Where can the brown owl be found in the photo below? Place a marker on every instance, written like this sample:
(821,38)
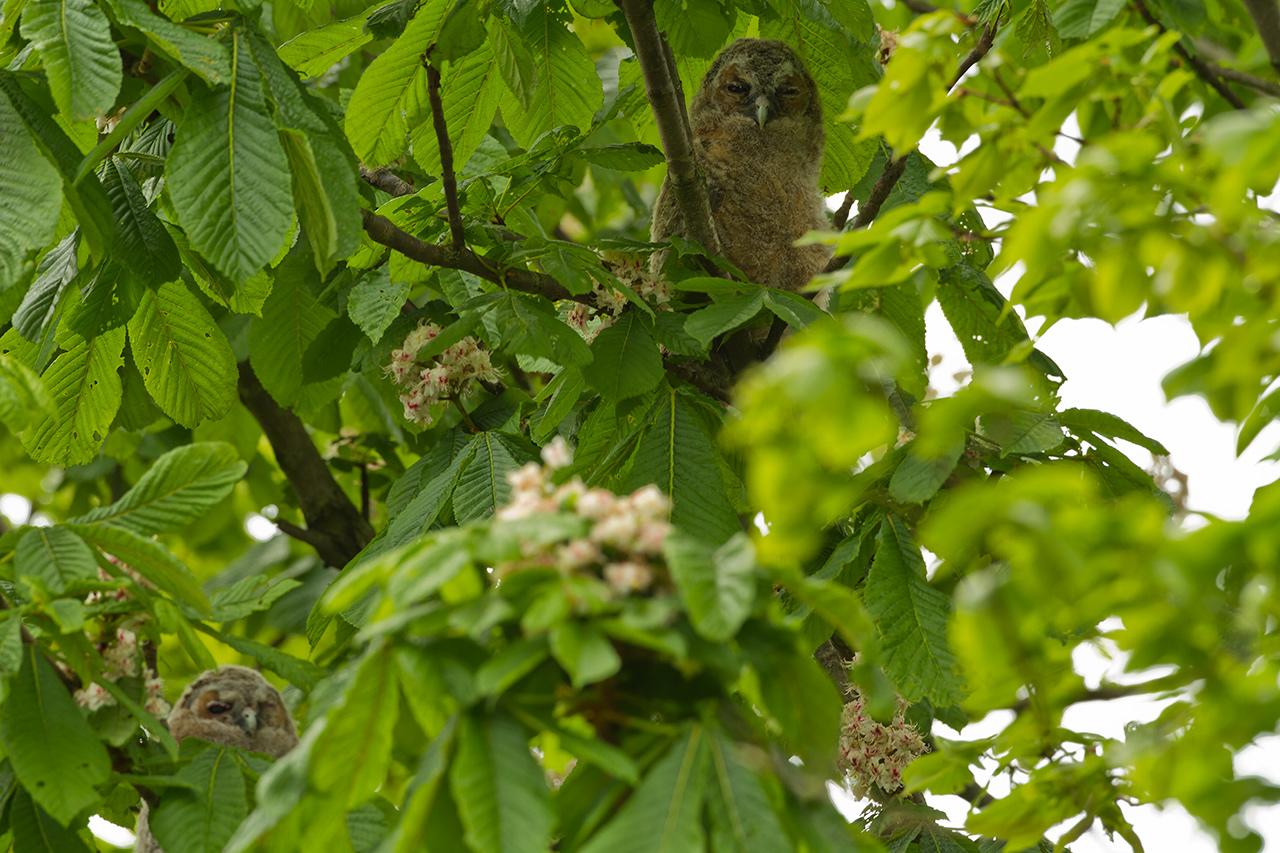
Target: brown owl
(757,139)
(230,706)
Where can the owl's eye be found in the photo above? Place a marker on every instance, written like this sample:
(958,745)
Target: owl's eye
(217,707)
(737,87)
(788,91)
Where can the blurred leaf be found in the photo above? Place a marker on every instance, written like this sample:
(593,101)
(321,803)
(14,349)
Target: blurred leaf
(57,757)
(35,832)
(717,585)
(584,652)
(625,360)
(149,559)
(202,818)
(499,788)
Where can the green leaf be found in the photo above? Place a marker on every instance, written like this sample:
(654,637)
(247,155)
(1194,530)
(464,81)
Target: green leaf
(916,479)
(203,817)
(912,616)
(482,486)
(80,59)
(625,360)
(30,195)
(145,246)
(179,487)
(227,175)
(56,557)
(206,57)
(742,816)
(564,89)
(528,325)
(35,832)
(694,27)
(40,305)
(1111,426)
(149,559)
(316,51)
(22,395)
(470,89)
(85,195)
(1083,18)
(54,752)
(677,452)
(292,318)
(10,650)
(350,762)
(302,673)
(623,156)
(584,652)
(663,814)
(1023,432)
(792,308)
(499,788)
(186,362)
(323,167)
(375,301)
(727,312)
(85,387)
(392,91)
(717,585)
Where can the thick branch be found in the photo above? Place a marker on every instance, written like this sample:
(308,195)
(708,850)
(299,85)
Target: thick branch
(1197,64)
(446,159)
(682,172)
(387,181)
(1266,17)
(335,527)
(1267,87)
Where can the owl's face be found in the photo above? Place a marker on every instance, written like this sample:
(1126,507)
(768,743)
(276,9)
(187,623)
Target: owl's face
(763,83)
(234,706)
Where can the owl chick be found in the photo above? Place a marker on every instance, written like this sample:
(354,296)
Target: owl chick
(757,138)
(230,706)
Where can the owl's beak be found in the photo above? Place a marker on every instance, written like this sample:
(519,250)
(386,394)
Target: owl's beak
(248,721)
(762,111)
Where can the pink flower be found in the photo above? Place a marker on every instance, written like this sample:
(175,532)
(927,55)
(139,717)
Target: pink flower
(557,453)
(596,503)
(93,697)
(630,576)
(577,554)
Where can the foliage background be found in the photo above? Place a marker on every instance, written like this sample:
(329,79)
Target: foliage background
(200,306)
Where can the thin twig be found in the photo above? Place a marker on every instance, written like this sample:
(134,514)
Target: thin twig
(387,181)
(1244,78)
(868,211)
(664,97)
(1197,64)
(1266,17)
(974,56)
(446,158)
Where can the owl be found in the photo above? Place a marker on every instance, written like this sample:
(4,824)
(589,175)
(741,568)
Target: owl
(757,138)
(230,706)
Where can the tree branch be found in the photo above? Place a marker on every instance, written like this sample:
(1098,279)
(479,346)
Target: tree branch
(682,172)
(384,231)
(1197,64)
(387,181)
(335,527)
(1266,17)
(446,159)
(1267,87)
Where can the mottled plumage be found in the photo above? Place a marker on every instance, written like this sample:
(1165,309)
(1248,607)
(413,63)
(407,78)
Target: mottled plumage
(757,137)
(230,706)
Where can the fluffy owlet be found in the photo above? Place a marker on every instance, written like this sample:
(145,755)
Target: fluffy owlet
(230,706)
(757,138)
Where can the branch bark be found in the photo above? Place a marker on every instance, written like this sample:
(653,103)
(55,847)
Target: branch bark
(1266,17)
(446,159)
(335,527)
(668,111)
(387,181)
(1201,68)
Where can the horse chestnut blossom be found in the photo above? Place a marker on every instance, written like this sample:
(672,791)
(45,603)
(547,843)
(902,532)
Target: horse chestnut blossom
(623,544)
(609,302)
(122,657)
(874,754)
(442,378)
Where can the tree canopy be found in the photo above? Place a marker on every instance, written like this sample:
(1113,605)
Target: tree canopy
(574,553)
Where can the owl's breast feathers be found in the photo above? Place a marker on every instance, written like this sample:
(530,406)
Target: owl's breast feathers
(765,195)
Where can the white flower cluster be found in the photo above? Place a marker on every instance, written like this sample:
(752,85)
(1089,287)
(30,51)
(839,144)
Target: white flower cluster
(590,322)
(873,754)
(121,593)
(624,542)
(123,658)
(446,376)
